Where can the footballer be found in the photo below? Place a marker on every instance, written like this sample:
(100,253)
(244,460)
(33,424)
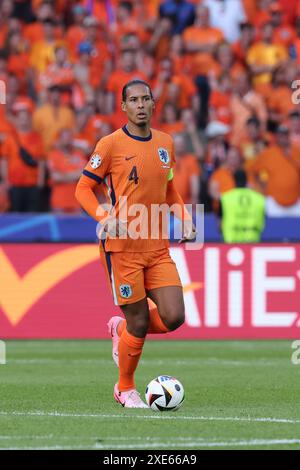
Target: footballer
(135,164)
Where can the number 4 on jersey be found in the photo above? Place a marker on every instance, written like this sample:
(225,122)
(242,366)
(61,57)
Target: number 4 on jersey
(133,175)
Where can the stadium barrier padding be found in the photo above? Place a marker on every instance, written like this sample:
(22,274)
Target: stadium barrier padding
(76,229)
(230,291)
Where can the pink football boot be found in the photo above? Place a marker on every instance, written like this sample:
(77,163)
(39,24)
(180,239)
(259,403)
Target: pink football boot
(129,399)
(112,330)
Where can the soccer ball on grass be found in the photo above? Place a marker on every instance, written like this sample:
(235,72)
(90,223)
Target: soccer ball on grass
(165,393)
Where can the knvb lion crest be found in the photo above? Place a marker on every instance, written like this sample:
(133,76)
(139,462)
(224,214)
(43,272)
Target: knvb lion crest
(125,291)
(163,155)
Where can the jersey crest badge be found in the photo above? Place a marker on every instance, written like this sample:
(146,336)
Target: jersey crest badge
(96,161)
(164,155)
(125,291)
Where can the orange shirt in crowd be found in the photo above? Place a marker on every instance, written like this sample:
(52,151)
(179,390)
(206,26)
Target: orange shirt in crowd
(54,75)
(251,9)
(250,149)
(181,64)
(224,178)
(99,9)
(202,62)
(63,194)
(74,35)
(94,123)
(100,54)
(48,121)
(20,173)
(6,127)
(297,50)
(280,174)
(284,35)
(219,104)
(202,36)
(34,32)
(132,27)
(185,167)
(187,90)
(83,142)
(43,53)
(152,7)
(221,180)
(265,54)
(279,100)
(18,64)
(3,35)
(101,12)
(172,128)
(261,18)
(240,53)
(242,110)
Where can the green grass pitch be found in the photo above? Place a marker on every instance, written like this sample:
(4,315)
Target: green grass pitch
(239,395)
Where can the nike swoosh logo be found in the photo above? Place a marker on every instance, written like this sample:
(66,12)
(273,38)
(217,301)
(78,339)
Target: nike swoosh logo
(19,293)
(192,286)
(129,158)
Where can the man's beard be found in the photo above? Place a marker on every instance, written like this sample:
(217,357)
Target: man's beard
(141,124)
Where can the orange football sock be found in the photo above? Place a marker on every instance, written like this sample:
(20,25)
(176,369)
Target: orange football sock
(121,326)
(130,350)
(156,324)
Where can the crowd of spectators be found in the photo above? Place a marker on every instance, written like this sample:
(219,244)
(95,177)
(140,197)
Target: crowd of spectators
(223,74)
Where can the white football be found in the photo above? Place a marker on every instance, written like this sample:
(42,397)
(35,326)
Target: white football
(165,393)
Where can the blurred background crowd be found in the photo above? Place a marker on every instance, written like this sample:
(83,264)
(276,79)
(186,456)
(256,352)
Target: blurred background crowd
(223,74)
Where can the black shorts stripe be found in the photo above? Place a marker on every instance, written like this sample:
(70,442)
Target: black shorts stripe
(107,259)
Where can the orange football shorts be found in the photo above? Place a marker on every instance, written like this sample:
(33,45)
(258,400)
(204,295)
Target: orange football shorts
(130,275)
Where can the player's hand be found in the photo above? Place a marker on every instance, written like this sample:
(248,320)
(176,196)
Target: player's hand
(189,233)
(115,227)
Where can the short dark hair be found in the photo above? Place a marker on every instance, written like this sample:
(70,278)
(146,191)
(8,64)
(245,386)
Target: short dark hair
(127,5)
(246,25)
(132,83)
(282,129)
(54,88)
(49,21)
(294,113)
(253,120)
(240,178)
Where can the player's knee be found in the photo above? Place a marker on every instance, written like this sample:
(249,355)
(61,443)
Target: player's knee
(175,319)
(138,326)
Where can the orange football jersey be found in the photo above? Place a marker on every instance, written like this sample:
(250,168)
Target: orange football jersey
(139,169)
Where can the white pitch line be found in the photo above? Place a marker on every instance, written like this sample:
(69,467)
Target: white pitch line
(151,416)
(188,362)
(168,445)
(97,438)
(110,438)
(199,443)
(195,443)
